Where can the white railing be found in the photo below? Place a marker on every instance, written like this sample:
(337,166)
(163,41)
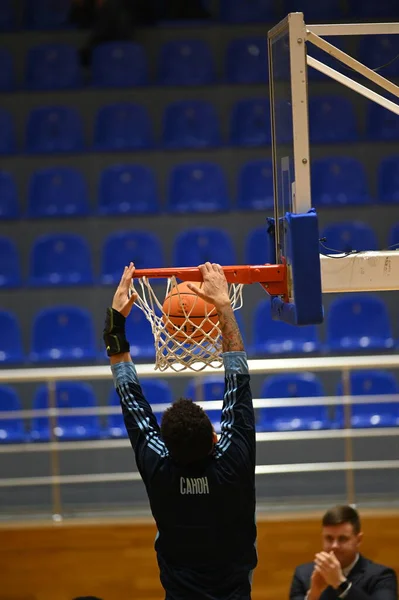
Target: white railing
(344,364)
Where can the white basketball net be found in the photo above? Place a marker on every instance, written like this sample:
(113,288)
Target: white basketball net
(174,353)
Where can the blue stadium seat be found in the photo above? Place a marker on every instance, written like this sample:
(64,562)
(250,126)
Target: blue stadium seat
(255,186)
(293,418)
(52,67)
(276,337)
(199,245)
(358,322)
(339,181)
(348,236)
(370,383)
(69,395)
(387,9)
(283,122)
(207,388)
(155,392)
(54,129)
(319,11)
(141,247)
(250,123)
(123,126)
(47,14)
(246,60)
(57,192)
(242,11)
(62,333)
(382,124)
(139,334)
(12,431)
(197,187)
(8,197)
(380,50)
(190,124)
(7,15)
(128,189)
(185,62)
(10,339)
(394,237)
(60,260)
(332,119)
(10,271)
(315,52)
(7,82)
(258,250)
(119,65)
(7,133)
(388,180)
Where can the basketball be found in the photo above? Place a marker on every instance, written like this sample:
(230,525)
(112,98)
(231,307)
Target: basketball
(187,317)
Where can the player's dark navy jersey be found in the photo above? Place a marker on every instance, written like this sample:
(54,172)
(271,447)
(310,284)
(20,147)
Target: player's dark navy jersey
(205,512)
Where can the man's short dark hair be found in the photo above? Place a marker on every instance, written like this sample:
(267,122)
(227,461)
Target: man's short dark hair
(187,432)
(340,514)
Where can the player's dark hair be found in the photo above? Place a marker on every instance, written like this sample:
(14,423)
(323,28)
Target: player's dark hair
(343,513)
(187,432)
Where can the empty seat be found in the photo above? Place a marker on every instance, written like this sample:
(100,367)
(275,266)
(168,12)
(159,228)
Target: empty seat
(293,418)
(250,123)
(47,14)
(69,395)
(246,60)
(12,431)
(141,247)
(10,339)
(388,180)
(52,67)
(371,9)
(54,129)
(128,189)
(139,334)
(119,64)
(62,333)
(370,383)
(380,50)
(255,186)
(199,245)
(8,197)
(122,126)
(7,15)
(358,322)
(339,181)
(7,82)
(60,260)
(10,271)
(197,187)
(57,192)
(185,62)
(207,388)
(242,11)
(276,337)
(190,124)
(155,392)
(7,133)
(283,126)
(259,247)
(393,242)
(382,124)
(331,119)
(347,237)
(319,11)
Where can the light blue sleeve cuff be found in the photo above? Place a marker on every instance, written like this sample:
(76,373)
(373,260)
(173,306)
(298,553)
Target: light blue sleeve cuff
(124,372)
(235,362)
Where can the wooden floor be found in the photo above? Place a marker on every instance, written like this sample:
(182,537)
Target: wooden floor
(116,561)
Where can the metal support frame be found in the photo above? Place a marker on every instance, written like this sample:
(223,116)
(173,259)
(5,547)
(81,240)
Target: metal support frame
(355,29)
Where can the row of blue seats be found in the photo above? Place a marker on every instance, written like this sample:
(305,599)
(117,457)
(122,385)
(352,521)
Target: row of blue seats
(71,395)
(187,62)
(64,333)
(64,260)
(191,124)
(196,187)
(50,15)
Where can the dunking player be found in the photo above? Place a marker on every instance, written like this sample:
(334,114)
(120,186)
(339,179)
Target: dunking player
(201,489)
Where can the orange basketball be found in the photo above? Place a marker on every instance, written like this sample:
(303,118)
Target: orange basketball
(187,317)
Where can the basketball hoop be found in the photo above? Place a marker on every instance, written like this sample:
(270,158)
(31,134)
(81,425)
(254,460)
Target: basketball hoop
(177,350)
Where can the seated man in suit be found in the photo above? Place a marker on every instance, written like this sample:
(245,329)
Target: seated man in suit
(339,571)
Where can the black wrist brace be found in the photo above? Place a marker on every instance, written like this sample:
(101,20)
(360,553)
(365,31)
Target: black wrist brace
(114,335)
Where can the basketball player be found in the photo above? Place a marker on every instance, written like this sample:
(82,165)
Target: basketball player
(201,489)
